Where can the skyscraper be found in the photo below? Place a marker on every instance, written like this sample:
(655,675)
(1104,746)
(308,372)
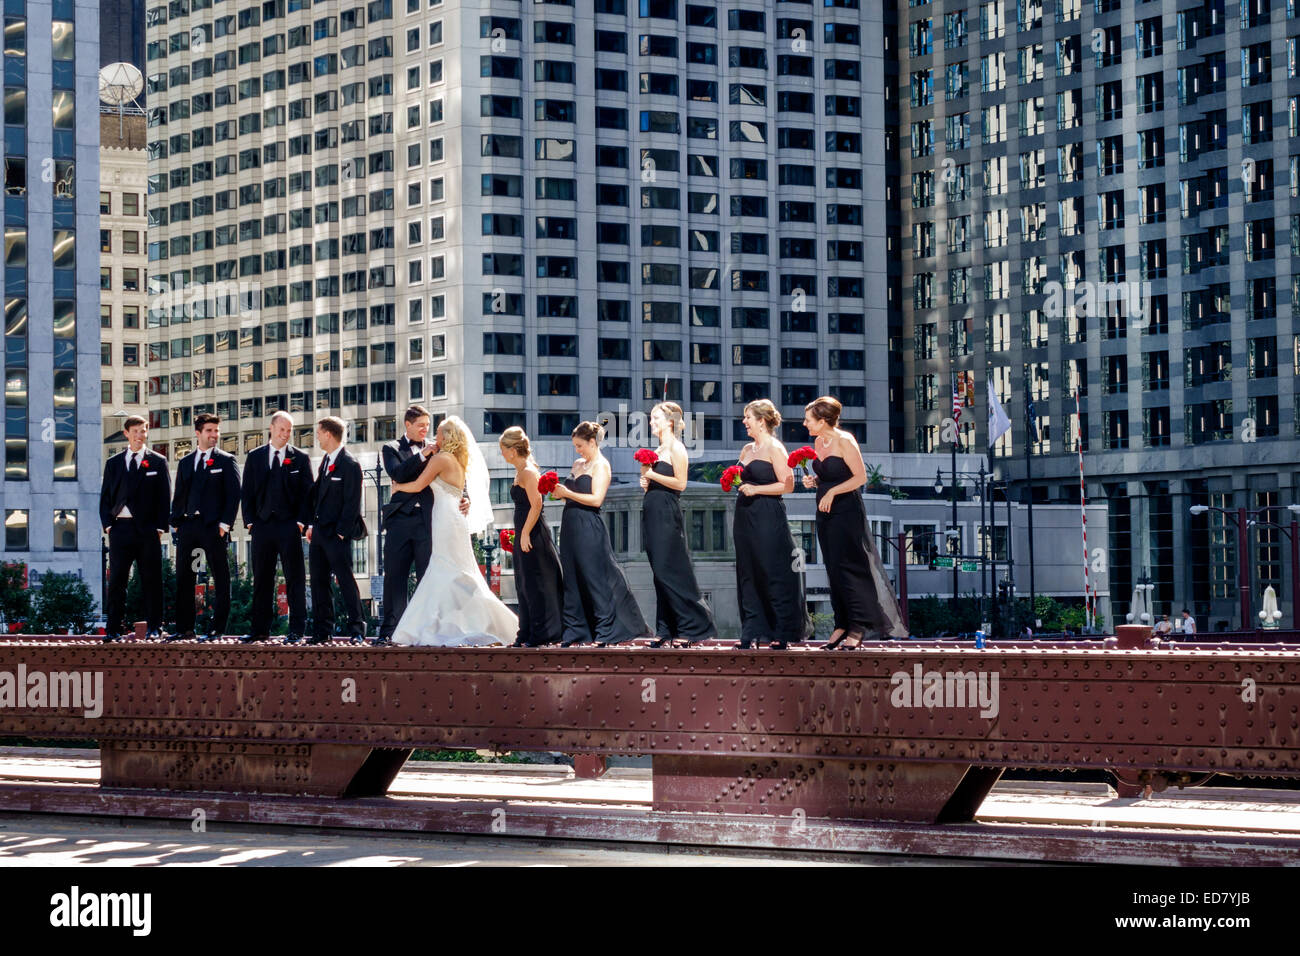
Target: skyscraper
(50,486)
(1091,195)
(522,214)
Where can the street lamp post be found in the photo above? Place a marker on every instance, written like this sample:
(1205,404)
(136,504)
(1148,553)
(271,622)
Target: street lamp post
(983,485)
(376,475)
(1244,519)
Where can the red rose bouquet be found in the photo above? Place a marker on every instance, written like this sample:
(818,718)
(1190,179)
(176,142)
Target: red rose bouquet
(547,481)
(730,476)
(800,455)
(646,457)
(507,539)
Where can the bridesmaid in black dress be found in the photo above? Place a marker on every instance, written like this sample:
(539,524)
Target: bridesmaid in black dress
(680,612)
(538,580)
(597,601)
(861,596)
(770,589)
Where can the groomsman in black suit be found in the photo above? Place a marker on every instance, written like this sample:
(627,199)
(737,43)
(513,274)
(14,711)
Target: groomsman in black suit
(335,519)
(276,501)
(203,512)
(133,510)
(407,531)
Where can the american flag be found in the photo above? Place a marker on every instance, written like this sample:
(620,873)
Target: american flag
(963,393)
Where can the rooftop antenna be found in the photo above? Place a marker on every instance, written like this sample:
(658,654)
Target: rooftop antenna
(119,84)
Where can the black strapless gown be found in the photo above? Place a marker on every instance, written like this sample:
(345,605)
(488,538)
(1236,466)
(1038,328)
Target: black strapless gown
(597,601)
(538,579)
(679,610)
(861,595)
(769,589)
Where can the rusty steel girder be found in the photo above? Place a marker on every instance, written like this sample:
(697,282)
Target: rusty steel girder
(834,735)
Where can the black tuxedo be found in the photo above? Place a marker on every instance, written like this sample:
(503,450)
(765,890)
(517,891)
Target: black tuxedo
(407,531)
(205,499)
(145,494)
(274,502)
(336,511)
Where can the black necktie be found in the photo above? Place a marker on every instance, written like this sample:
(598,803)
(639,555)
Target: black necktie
(324,461)
(133,466)
(276,464)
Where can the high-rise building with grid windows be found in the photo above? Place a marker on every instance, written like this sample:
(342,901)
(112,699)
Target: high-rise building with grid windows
(1094,198)
(49,491)
(521,213)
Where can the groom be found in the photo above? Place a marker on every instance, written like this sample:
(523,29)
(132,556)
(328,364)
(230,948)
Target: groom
(407,518)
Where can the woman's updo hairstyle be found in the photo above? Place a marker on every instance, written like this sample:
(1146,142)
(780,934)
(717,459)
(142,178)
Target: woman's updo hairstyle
(589,431)
(766,413)
(825,409)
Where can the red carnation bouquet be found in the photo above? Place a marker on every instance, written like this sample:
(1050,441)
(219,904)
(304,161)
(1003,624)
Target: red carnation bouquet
(507,540)
(646,457)
(730,476)
(547,481)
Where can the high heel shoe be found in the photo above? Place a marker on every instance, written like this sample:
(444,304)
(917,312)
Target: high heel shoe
(577,641)
(778,646)
(835,641)
(858,634)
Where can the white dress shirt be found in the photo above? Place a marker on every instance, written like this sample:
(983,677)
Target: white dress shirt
(138,458)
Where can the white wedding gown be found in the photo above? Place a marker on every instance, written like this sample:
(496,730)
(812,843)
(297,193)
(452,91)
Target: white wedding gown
(453,605)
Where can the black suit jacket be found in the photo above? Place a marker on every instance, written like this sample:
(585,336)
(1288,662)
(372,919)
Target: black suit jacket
(147,494)
(215,492)
(296,477)
(336,498)
(404,463)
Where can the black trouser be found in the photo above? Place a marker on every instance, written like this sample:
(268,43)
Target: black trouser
(131,541)
(278,538)
(407,543)
(193,539)
(330,553)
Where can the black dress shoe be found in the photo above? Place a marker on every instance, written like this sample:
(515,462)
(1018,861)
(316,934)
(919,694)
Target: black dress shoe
(382,642)
(209,637)
(357,639)
(187,636)
(154,635)
(110,638)
(319,639)
(253,638)
(292,638)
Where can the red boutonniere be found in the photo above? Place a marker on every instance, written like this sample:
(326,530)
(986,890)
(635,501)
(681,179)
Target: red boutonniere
(207,462)
(287,461)
(329,470)
(729,477)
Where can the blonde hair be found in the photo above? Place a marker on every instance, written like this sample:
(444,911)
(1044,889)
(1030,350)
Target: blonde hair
(454,442)
(673,412)
(765,412)
(516,439)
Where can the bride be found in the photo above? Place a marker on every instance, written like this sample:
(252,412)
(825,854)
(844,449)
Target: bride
(453,606)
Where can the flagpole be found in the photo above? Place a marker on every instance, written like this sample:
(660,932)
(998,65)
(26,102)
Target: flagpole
(1088,609)
(1029,494)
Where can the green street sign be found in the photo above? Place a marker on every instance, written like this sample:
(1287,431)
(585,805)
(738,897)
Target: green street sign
(943,562)
(970,565)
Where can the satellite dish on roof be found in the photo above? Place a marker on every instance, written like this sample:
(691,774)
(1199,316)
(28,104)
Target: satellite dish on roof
(120,83)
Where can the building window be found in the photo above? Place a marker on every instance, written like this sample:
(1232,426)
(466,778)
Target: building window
(65,530)
(16,530)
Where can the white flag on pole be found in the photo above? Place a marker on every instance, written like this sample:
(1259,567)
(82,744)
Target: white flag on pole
(998,421)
